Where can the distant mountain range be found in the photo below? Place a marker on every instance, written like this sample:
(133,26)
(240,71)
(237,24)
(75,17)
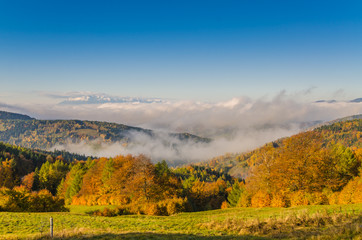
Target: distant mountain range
(103,98)
(326,101)
(357,100)
(28,132)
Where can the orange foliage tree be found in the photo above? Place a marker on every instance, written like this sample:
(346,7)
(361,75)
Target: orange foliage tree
(300,169)
(124,180)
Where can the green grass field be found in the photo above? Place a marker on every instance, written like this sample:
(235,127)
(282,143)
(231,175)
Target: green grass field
(314,222)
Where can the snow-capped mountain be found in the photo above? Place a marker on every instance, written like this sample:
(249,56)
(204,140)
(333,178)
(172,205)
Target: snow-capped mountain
(100,99)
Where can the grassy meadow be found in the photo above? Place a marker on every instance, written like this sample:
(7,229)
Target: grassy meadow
(304,222)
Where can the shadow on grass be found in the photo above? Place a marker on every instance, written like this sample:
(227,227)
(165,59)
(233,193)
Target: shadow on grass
(129,236)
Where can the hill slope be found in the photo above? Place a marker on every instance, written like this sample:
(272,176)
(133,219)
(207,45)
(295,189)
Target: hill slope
(16,162)
(346,131)
(44,134)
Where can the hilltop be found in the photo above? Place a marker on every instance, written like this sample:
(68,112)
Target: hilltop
(353,117)
(14,116)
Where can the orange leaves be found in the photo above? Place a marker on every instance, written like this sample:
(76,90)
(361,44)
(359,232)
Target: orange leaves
(352,192)
(28,181)
(122,180)
(262,174)
(208,195)
(300,164)
(279,199)
(261,199)
(7,176)
(300,169)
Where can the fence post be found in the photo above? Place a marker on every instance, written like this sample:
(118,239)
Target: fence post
(51,227)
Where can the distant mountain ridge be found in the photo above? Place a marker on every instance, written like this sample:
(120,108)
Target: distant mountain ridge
(14,116)
(357,100)
(28,132)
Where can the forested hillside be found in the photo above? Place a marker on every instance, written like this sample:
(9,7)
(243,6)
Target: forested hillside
(346,131)
(29,178)
(16,162)
(314,167)
(45,134)
(13,116)
(322,166)
(131,182)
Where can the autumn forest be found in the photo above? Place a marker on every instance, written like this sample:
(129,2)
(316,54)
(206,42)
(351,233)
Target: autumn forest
(315,167)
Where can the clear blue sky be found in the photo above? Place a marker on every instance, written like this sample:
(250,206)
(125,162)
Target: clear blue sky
(206,50)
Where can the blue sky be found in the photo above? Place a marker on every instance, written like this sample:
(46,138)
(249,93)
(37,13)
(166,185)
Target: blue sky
(199,50)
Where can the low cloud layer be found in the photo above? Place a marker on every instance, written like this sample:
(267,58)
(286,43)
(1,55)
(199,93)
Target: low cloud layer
(237,125)
(173,150)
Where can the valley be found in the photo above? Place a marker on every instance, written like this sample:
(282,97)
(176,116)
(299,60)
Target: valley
(231,196)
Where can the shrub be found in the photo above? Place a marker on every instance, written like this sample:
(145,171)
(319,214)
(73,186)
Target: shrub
(333,198)
(352,192)
(20,199)
(298,198)
(176,205)
(154,209)
(44,201)
(122,210)
(224,205)
(317,198)
(107,212)
(280,200)
(163,208)
(260,199)
(14,200)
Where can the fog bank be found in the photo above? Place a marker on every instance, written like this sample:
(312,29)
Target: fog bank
(237,125)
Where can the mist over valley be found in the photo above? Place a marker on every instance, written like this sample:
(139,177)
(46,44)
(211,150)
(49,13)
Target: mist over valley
(176,131)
